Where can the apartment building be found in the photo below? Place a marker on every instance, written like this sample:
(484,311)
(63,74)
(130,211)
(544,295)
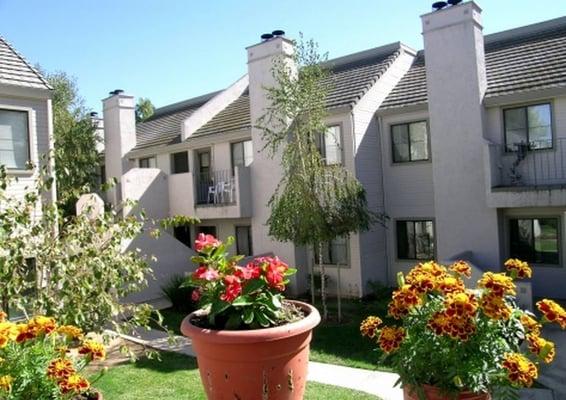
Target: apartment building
(459,144)
(26,128)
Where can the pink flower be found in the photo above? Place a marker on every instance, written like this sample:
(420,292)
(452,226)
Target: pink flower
(204,242)
(250,271)
(195,295)
(205,273)
(274,271)
(233,288)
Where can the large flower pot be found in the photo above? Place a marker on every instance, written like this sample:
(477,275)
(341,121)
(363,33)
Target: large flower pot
(260,364)
(433,393)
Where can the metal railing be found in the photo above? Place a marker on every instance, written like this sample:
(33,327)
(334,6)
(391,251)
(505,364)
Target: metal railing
(530,164)
(215,188)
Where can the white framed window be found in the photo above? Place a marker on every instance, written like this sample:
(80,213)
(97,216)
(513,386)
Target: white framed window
(148,162)
(536,240)
(334,252)
(415,239)
(15,148)
(329,144)
(409,142)
(242,154)
(530,125)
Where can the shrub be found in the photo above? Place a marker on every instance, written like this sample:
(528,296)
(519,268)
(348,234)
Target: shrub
(179,294)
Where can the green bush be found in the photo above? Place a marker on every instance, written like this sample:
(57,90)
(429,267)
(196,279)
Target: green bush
(180,297)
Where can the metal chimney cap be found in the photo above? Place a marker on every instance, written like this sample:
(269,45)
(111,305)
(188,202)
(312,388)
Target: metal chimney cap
(266,36)
(439,5)
(93,114)
(278,32)
(115,92)
(454,2)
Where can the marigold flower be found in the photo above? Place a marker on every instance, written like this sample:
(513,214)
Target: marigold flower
(6,383)
(206,242)
(233,288)
(3,316)
(495,307)
(553,312)
(94,349)
(370,326)
(461,328)
(450,284)
(70,331)
(38,325)
(498,283)
(543,348)
(424,276)
(390,338)
(60,368)
(74,384)
(530,324)
(8,332)
(403,300)
(25,332)
(520,370)
(520,268)
(438,323)
(461,305)
(462,268)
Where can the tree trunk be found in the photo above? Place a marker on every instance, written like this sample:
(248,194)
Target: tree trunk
(339,293)
(322,284)
(312,279)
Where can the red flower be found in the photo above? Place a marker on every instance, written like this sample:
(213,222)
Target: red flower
(233,288)
(205,273)
(195,295)
(274,271)
(205,242)
(250,271)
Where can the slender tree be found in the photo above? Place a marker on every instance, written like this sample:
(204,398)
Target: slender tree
(314,203)
(144,109)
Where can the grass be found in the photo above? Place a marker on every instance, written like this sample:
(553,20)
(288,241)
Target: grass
(176,377)
(333,343)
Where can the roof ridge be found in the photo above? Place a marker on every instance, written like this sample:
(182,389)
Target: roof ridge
(177,106)
(525,31)
(23,59)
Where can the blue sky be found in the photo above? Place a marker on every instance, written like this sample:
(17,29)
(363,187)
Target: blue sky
(171,50)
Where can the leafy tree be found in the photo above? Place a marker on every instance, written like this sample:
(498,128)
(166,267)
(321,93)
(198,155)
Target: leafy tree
(76,156)
(144,109)
(314,203)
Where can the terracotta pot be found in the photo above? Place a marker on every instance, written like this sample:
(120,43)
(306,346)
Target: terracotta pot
(254,364)
(433,393)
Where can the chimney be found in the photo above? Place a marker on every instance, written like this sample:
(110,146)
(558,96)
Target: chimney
(456,85)
(119,136)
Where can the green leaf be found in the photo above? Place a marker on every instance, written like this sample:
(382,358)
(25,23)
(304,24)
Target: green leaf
(242,301)
(261,318)
(291,271)
(253,285)
(234,321)
(218,306)
(248,316)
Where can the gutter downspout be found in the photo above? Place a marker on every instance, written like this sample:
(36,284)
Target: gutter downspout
(387,264)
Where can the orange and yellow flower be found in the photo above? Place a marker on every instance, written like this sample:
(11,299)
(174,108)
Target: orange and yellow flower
(450,284)
(6,383)
(8,332)
(390,338)
(543,348)
(3,316)
(74,384)
(495,306)
(520,370)
(60,368)
(403,300)
(461,305)
(498,283)
(370,326)
(94,349)
(70,331)
(520,269)
(461,268)
(553,312)
(530,324)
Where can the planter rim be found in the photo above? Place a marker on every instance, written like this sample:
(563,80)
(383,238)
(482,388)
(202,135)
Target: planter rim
(433,388)
(253,335)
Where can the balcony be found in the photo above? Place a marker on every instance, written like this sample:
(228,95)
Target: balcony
(214,195)
(527,175)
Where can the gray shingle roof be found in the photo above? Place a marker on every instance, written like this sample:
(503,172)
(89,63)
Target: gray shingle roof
(522,59)
(15,70)
(351,77)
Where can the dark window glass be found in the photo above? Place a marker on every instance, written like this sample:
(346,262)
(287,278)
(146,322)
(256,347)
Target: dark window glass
(415,240)
(535,240)
(204,162)
(183,234)
(530,125)
(207,230)
(242,154)
(244,240)
(14,139)
(334,253)
(330,145)
(410,142)
(148,162)
(180,162)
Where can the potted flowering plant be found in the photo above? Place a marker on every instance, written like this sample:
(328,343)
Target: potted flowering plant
(244,317)
(454,342)
(43,361)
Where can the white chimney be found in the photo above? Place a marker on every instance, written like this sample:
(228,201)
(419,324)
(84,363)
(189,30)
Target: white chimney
(119,137)
(456,84)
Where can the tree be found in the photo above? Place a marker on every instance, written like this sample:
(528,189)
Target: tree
(314,203)
(77,159)
(144,109)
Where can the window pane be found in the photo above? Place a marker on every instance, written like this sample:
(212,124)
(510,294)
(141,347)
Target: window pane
(339,251)
(400,139)
(419,141)
(248,153)
(148,162)
(515,127)
(333,146)
(406,240)
(207,230)
(183,235)
(424,240)
(540,138)
(14,139)
(539,116)
(237,154)
(243,240)
(326,254)
(545,232)
(180,162)
(521,239)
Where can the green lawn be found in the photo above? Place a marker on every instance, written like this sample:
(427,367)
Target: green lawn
(333,343)
(176,377)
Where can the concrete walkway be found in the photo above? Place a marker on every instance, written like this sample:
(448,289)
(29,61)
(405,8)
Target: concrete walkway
(376,383)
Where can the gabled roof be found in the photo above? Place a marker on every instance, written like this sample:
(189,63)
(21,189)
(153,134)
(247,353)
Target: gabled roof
(523,59)
(352,76)
(15,70)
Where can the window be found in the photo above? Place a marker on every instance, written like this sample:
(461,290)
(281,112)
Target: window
(183,234)
(244,240)
(334,253)
(531,125)
(14,139)
(242,154)
(330,145)
(415,240)
(148,162)
(207,230)
(410,142)
(180,162)
(535,240)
